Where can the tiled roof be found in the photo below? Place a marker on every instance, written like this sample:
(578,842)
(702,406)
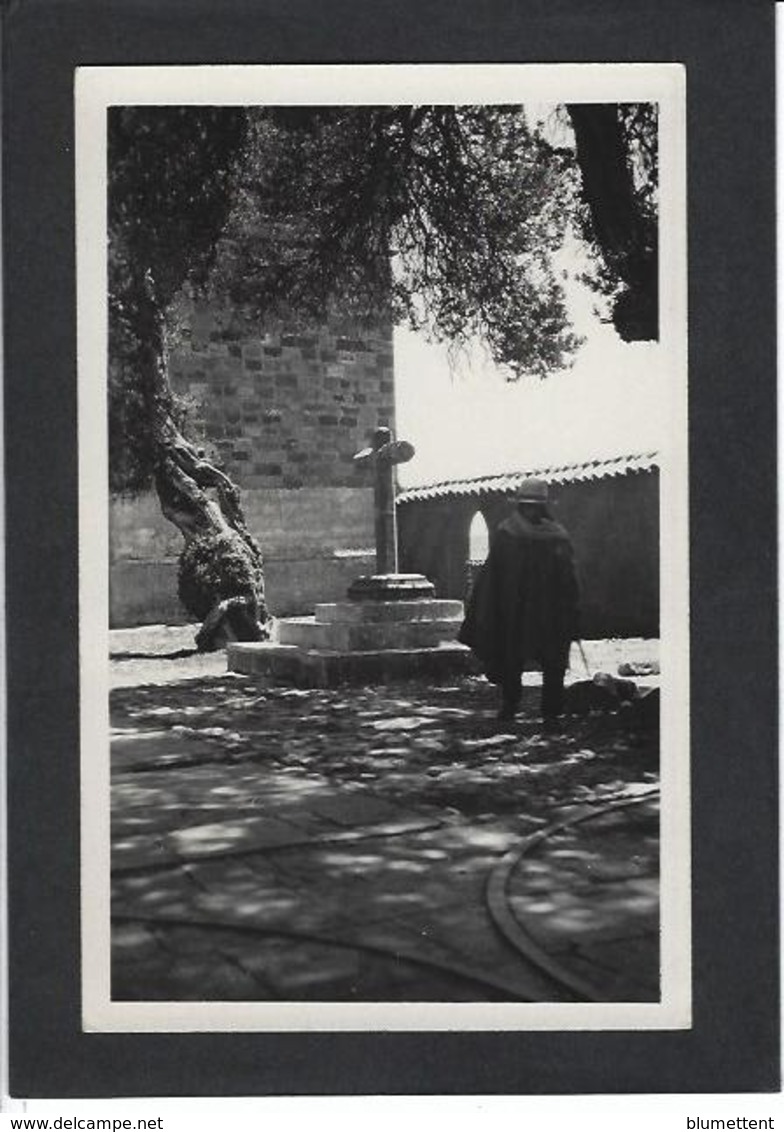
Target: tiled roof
(502,484)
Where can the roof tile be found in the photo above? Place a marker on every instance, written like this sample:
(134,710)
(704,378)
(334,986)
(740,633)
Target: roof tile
(502,484)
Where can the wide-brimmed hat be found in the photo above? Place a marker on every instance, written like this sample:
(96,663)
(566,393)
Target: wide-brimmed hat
(531,491)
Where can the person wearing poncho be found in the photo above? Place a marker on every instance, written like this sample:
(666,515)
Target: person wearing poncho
(523,610)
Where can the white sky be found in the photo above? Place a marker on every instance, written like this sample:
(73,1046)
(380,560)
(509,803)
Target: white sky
(468,421)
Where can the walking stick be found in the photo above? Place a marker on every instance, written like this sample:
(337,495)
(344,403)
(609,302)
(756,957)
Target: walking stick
(582,654)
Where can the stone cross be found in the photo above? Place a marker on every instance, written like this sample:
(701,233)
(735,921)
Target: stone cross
(383,454)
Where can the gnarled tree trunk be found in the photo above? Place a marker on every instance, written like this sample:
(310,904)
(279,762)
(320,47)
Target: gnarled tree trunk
(221,569)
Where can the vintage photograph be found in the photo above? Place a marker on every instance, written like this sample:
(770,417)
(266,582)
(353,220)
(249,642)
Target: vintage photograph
(384,528)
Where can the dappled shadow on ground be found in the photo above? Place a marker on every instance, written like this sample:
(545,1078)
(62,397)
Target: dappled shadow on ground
(439,745)
(205,963)
(273,843)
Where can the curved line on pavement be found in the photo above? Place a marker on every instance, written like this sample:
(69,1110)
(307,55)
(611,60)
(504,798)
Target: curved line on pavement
(454,969)
(332,837)
(497,898)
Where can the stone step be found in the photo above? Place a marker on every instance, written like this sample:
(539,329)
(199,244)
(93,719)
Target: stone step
(336,636)
(354,612)
(319,668)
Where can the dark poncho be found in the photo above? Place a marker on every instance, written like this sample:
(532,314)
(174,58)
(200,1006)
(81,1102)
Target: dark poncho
(523,610)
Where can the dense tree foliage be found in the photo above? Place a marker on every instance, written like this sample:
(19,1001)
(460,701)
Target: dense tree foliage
(444,217)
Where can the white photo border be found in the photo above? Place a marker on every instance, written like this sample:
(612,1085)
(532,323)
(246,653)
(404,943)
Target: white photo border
(98,88)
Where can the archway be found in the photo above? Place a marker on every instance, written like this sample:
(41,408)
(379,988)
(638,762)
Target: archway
(478,539)
(478,545)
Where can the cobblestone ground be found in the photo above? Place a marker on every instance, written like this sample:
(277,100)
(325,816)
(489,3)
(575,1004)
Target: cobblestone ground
(387,844)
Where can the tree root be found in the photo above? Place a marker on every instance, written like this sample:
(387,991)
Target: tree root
(233,619)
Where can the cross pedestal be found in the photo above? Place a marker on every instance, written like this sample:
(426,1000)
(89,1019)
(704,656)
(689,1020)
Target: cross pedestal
(392,626)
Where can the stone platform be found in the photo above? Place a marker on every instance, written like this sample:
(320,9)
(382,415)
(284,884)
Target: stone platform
(361,642)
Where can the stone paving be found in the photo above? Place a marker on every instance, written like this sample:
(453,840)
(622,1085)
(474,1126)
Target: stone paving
(388,844)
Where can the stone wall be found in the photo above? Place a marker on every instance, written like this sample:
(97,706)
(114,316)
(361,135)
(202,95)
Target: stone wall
(315,542)
(614,525)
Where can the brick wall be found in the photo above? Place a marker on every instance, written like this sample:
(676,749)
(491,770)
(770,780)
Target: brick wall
(283,407)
